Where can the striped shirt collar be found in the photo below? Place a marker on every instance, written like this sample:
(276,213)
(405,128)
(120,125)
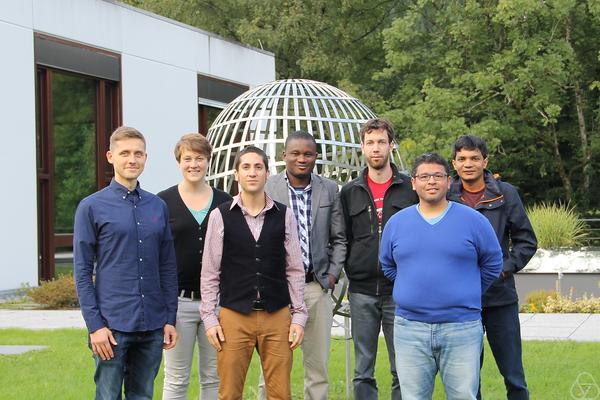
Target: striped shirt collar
(305,190)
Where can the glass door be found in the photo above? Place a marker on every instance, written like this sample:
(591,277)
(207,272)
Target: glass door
(76,114)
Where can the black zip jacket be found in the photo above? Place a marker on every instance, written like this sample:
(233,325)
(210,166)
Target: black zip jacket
(502,206)
(356,218)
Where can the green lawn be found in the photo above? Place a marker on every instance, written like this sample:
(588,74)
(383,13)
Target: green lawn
(65,369)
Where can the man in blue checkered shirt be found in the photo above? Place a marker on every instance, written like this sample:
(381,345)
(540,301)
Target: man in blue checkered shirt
(311,197)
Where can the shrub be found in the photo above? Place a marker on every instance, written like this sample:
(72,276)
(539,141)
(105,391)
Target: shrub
(57,293)
(547,301)
(556,225)
(566,304)
(536,300)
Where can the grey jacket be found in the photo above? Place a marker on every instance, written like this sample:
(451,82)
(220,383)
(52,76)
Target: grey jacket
(326,250)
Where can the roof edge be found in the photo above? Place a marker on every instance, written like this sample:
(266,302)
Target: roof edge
(193,28)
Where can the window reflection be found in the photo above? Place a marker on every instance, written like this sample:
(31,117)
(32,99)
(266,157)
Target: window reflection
(74,128)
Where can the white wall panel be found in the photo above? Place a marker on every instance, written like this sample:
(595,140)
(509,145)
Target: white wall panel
(160,40)
(93,22)
(18,236)
(16,12)
(160,101)
(240,64)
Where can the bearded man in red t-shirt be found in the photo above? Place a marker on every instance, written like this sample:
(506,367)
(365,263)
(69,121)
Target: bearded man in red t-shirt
(362,209)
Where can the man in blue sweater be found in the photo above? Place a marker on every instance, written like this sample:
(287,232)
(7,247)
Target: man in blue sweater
(440,271)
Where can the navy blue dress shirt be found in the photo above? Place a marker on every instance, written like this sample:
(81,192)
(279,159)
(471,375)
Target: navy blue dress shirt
(125,235)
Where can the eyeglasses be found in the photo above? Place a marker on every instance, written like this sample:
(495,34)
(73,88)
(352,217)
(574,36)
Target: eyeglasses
(436,177)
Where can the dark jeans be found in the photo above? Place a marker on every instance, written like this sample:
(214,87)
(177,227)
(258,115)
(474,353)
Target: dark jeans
(369,314)
(503,332)
(134,366)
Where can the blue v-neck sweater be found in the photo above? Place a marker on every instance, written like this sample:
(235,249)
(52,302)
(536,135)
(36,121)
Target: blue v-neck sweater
(440,271)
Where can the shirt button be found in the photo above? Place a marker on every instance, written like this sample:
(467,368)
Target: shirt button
(141,277)
(138,223)
(123,197)
(142,296)
(140,241)
(140,259)
(257,259)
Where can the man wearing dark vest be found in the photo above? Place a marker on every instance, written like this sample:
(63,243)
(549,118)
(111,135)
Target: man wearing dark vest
(252,260)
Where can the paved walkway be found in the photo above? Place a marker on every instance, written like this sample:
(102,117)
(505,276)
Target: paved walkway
(579,327)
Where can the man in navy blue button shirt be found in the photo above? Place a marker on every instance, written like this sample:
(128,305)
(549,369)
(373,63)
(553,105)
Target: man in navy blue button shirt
(122,236)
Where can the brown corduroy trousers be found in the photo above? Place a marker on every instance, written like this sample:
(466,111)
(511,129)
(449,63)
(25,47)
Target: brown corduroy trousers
(268,333)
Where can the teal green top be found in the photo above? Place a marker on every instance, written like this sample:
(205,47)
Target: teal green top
(199,215)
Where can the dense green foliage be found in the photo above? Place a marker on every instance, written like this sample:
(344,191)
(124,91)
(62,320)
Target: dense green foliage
(521,73)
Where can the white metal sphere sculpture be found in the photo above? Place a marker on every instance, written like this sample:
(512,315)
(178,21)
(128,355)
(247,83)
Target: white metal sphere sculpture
(266,114)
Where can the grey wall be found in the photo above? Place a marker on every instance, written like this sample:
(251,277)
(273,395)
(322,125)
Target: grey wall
(581,283)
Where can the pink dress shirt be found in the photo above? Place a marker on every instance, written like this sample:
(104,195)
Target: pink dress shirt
(213,251)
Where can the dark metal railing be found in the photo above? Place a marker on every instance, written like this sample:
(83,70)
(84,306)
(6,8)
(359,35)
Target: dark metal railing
(592,232)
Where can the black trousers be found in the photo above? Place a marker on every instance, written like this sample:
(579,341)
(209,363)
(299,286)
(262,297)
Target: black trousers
(503,332)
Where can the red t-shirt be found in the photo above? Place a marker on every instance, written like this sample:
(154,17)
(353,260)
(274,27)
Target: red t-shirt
(378,191)
(472,198)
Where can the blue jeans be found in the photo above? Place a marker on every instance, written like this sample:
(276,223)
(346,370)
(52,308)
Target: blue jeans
(369,314)
(452,348)
(135,365)
(503,331)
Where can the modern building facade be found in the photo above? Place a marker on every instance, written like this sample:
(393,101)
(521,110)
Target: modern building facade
(73,70)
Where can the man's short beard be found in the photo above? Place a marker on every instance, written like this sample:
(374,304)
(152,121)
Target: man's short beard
(383,165)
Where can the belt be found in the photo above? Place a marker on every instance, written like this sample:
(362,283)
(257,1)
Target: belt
(190,294)
(258,305)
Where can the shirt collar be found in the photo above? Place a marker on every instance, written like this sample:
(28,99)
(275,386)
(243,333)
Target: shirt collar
(306,189)
(123,191)
(237,201)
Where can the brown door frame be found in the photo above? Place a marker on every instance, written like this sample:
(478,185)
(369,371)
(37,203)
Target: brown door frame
(45,176)
(108,94)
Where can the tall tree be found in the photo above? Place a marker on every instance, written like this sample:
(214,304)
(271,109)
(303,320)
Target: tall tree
(334,41)
(518,72)
(524,74)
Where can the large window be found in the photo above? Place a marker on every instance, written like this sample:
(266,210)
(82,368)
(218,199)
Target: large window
(213,95)
(78,106)
(207,115)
